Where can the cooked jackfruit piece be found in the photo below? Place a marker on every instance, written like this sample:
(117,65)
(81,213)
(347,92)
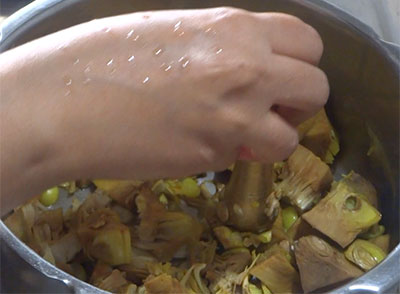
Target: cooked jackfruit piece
(251,288)
(360,185)
(321,265)
(192,280)
(65,248)
(185,187)
(15,222)
(124,214)
(305,126)
(228,238)
(277,273)
(307,178)
(372,232)
(278,232)
(163,284)
(255,240)
(121,191)
(138,268)
(54,219)
(342,215)
(203,252)
(100,272)
(320,137)
(382,242)
(156,269)
(299,229)
(227,266)
(245,195)
(70,187)
(112,244)
(364,254)
(164,232)
(113,282)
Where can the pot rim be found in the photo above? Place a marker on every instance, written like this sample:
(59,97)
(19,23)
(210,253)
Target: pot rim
(380,279)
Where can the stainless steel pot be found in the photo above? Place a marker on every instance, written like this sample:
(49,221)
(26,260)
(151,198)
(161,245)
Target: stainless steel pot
(364,77)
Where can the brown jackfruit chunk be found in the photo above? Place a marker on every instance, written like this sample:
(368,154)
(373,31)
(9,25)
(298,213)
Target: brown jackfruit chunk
(318,135)
(163,284)
(277,274)
(342,215)
(321,265)
(359,185)
(305,178)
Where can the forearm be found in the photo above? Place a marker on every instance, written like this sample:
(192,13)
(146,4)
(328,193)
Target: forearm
(41,83)
(29,152)
(60,97)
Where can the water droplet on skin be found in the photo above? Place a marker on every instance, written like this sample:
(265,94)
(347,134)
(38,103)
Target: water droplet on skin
(67,93)
(106,30)
(68,82)
(146,80)
(218,51)
(132,58)
(110,62)
(136,38)
(184,60)
(177,26)
(185,64)
(158,51)
(76,61)
(87,69)
(210,31)
(181,34)
(87,81)
(130,33)
(166,67)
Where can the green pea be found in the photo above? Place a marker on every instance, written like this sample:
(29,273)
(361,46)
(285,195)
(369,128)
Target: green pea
(163,199)
(49,196)
(289,216)
(265,237)
(189,188)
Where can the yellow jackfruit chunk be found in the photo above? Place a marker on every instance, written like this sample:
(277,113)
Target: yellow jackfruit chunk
(364,254)
(121,191)
(318,135)
(112,245)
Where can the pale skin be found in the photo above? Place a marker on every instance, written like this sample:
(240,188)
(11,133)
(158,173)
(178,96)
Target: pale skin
(155,94)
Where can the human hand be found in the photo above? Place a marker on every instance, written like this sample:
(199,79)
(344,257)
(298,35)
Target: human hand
(172,93)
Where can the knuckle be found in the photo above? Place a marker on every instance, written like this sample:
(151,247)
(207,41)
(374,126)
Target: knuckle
(236,120)
(236,76)
(287,19)
(246,72)
(311,35)
(231,14)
